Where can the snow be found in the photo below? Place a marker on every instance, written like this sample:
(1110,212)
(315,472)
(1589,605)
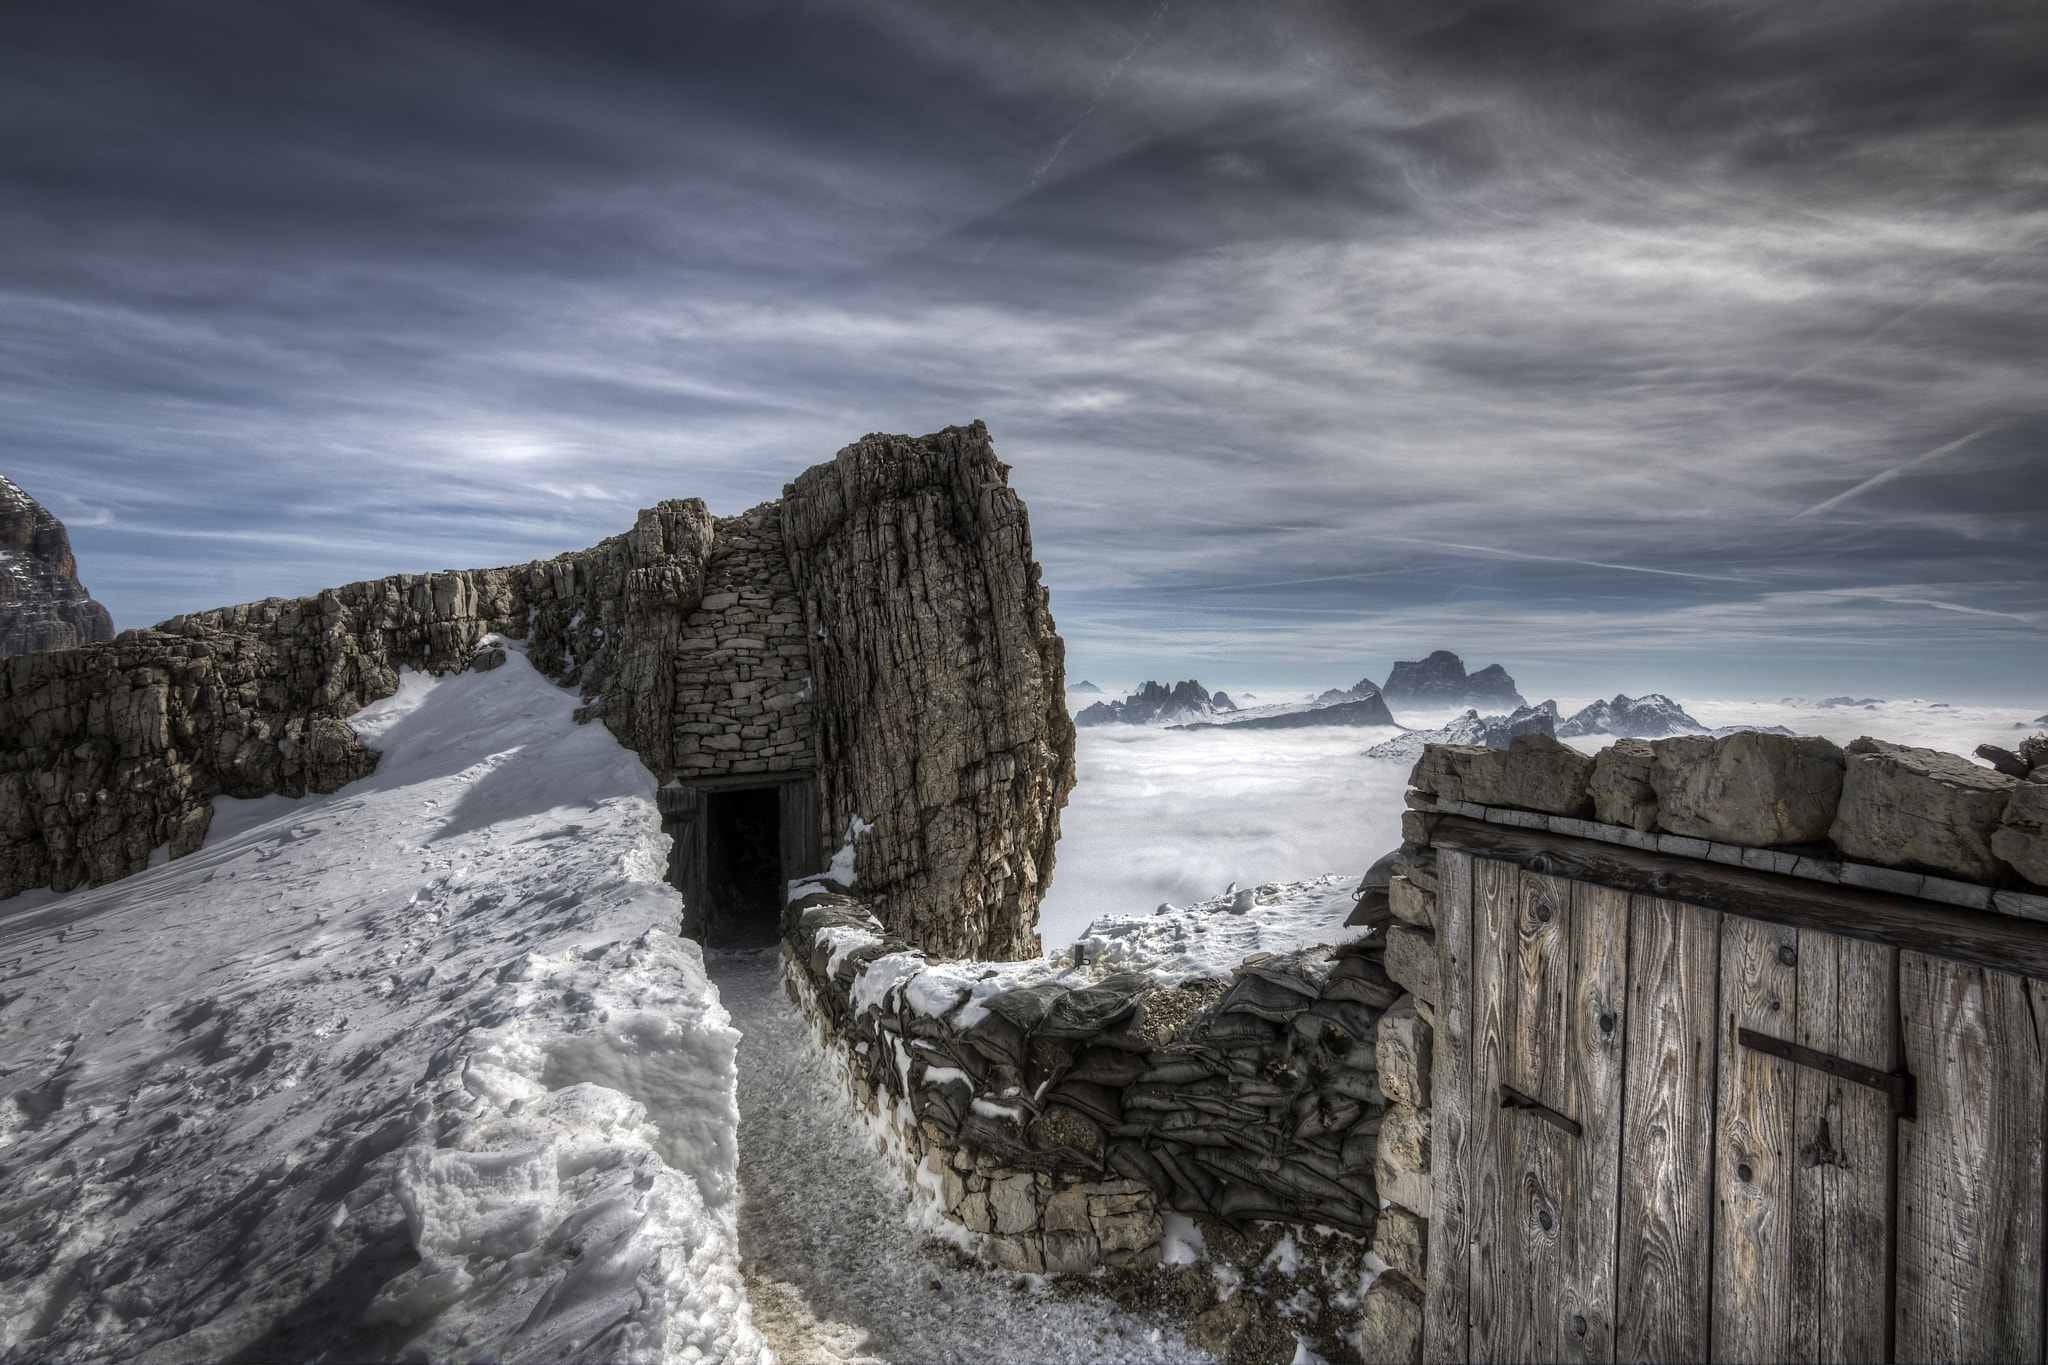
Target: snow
(415,1067)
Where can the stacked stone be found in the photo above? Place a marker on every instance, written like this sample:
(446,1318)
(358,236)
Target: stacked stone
(743,673)
(1254,1099)
(113,749)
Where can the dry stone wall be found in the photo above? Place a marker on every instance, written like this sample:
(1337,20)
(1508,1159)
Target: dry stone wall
(114,749)
(1055,1124)
(939,685)
(743,671)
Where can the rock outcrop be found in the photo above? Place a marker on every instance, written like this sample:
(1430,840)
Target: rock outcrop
(1535,772)
(938,685)
(1751,789)
(1157,702)
(43,606)
(1441,680)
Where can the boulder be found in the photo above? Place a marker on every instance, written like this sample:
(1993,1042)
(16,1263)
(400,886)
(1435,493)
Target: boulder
(1621,789)
(1752,789)
(1535,772)
(1907,807)
(2022,836)
(1410,904)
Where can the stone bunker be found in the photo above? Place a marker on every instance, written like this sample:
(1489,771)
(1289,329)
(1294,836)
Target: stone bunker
(871,652)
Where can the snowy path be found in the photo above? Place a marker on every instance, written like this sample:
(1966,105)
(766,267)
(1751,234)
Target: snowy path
(834,1271)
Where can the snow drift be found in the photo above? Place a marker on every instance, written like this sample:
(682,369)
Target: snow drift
(415,1068)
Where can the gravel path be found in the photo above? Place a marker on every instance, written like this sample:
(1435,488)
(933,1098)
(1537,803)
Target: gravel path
(834,1270)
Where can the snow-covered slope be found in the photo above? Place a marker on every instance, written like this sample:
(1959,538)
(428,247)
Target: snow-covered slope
(416,1069)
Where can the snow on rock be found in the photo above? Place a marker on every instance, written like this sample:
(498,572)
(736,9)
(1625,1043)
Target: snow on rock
(1472,728)
(413,1068)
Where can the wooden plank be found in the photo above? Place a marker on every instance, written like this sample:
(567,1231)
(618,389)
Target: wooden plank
(1534,1152)
(1595,1027)
(1842,1154)
(1753,1165)
(1450,1263)
(1969,1174)
(1978,937)
(1495,901)
(1664,1238)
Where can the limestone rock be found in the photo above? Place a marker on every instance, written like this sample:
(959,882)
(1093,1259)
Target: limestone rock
(1404,1052)
(1390,1329)
(1621,790)
(938,685)
(1401,1239)
(1411,960)
(2022,836)
(43,606)
(1751,789)
(1410,904)
(1535,772)
(1907,807)
(1402,1161)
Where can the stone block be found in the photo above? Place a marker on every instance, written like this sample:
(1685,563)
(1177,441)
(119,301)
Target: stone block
(1390,1324)
(1401,1239)
(1621,789)
(1015,1204)
(1401,1165)
(1067,1211)
(1404,1045)
(1129,1231)
(1906,807)
(1747,788)
(1025,1255)
(1411,960)
(2022,835)
(1071,1253)
(974,1212)
(1535,772)
(1410,904)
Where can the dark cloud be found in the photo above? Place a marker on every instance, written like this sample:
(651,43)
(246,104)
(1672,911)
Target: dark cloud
(1318,333)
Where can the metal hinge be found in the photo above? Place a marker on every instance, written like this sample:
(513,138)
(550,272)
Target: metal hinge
(1897,1084)
(1511,1098)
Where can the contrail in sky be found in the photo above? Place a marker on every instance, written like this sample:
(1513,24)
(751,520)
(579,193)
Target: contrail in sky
(1082,121)
(1892,473)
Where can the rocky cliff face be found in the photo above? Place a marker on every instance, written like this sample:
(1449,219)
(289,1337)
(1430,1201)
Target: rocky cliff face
(939,685)
(110,750)
(1441,680)
(42,604)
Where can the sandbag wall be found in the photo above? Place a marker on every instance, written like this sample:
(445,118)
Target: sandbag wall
(1057,1122)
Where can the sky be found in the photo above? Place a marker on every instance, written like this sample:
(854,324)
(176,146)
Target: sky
(1695,347)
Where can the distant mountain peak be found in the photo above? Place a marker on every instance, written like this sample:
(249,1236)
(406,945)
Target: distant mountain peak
(1156,701)
(1441,680)
(42,604)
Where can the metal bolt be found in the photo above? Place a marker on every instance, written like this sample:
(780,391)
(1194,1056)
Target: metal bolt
(1607,1023)
(1787,955)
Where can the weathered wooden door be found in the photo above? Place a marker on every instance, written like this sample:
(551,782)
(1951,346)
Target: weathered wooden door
(1665,1133)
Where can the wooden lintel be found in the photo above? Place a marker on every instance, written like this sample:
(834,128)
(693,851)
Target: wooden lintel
(1978,937)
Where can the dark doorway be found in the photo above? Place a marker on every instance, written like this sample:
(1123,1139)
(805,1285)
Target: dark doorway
(743,867)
